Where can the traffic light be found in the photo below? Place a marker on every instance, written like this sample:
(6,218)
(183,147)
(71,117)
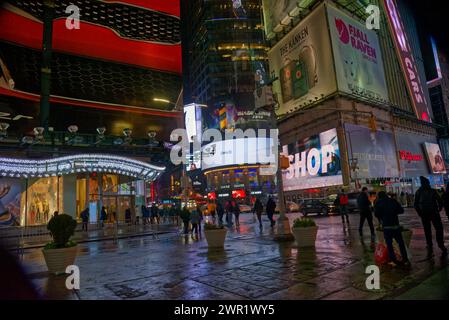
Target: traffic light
(372,123)
(285,162)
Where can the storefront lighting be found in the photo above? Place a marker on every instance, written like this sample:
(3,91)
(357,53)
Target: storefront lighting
(84,163)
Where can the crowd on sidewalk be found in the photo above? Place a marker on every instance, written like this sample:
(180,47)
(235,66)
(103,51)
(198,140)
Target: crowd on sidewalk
(428,204)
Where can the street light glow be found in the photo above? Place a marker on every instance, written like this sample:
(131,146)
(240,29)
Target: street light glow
(161,100)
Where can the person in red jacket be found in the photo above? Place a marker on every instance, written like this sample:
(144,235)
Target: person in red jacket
(343,201)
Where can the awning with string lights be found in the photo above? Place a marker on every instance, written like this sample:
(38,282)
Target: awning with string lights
(101,163)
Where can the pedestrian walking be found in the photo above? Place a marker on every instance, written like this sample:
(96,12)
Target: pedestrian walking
(138,214)
(365,209)
(185,217)
(258,209)
(428,205)
(200,213)
(271,208)
(342,203)
(154,213)
(446,201)
(228,211)
(145,214)
(220,213)
(195,220)
(387,211)
(103,216)
(128,216)
(236,211)
(85,219)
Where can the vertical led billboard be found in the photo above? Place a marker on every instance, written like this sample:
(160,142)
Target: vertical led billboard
(436,162)
(408,63)
(314,162)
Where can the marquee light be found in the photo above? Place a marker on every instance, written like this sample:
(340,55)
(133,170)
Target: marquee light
(79,163)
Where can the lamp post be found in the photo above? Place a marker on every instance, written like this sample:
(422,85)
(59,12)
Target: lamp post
(283,225)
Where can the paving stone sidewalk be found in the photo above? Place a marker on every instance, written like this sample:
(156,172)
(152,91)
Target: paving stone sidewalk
(252,266)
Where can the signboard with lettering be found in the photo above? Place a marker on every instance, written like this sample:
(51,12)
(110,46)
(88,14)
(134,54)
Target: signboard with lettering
(314,162)
(408,63)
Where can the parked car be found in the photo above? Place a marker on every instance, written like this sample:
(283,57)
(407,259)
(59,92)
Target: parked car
(352,202)
(317,206)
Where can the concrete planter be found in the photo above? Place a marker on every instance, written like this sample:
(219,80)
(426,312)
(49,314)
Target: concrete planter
(215,238)
(406,235)
(305,237)
(57,260)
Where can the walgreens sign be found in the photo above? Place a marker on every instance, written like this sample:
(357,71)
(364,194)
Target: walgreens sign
(407,60)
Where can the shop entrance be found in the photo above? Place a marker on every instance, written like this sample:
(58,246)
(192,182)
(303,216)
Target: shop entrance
(117,204)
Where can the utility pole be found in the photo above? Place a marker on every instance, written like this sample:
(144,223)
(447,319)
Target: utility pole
(47,44)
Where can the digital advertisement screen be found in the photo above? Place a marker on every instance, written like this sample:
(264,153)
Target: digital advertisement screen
(238,151)
(434,158)
(314,162)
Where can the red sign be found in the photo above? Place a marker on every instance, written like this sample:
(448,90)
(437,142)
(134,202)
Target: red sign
(212,196)
(408,63)
(407,155)
(236,194)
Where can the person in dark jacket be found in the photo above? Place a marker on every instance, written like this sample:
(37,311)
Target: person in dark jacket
(271,208)
(258,209)
(236,212)
(387,211)
(85,219)
(103,216)
(428,205)
(445,199)
(220,213)
(128,216)
(185,217)
(365,213)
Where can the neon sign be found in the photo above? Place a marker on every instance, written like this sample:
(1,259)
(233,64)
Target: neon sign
(408,156)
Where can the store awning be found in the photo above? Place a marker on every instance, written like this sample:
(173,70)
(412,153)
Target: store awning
(22,168)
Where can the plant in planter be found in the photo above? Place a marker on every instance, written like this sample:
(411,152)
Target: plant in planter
(61,252)
(215,235)
(305,231)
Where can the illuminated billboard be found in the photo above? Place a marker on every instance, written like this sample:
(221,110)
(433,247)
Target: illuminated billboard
(278,13)
(303,63)
(408,63)
(239,151)
(314,162)
(193,125)
(434,158)
(313,62)
(357,56)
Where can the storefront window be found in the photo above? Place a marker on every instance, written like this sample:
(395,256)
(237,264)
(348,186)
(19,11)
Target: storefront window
(43,197)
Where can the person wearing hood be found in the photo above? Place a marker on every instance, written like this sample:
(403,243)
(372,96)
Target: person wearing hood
(387,211)
(428,205)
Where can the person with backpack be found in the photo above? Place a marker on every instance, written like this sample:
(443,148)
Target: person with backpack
(365,213)
(342,202)
(387,211)
(428,205)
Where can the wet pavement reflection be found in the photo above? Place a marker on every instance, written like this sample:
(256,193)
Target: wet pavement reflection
(251,266)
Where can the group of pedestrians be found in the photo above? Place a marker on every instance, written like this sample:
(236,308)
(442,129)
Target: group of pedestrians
(193,217)
(428,204)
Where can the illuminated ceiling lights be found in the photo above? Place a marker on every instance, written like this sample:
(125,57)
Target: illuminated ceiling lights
(79,163)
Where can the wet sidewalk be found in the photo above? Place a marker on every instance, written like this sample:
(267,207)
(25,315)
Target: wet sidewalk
(252,266)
